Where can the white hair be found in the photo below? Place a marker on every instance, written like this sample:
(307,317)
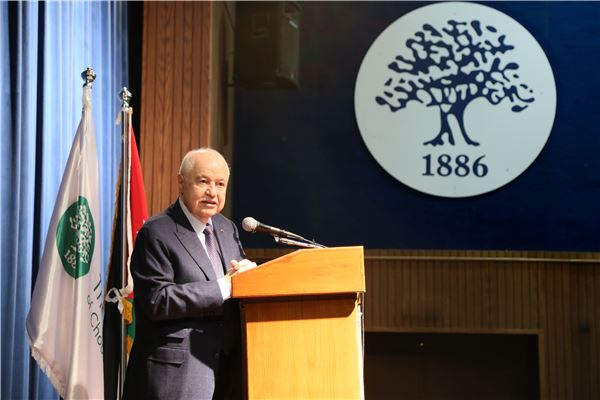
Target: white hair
(188,160)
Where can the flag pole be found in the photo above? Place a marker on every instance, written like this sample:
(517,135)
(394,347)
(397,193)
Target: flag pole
(126,111)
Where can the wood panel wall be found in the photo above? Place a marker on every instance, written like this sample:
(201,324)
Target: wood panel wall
(185,72)
(553,295)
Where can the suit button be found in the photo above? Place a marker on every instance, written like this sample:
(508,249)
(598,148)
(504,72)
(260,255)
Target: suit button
(217,355)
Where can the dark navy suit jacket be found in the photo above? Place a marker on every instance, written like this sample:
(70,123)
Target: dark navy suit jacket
(188,341)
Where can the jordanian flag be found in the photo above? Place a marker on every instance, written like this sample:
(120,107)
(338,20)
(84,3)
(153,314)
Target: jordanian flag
(65,320)
(120,294)
(137,214)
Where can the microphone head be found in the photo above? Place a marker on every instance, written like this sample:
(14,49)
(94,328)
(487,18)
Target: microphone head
(249,224)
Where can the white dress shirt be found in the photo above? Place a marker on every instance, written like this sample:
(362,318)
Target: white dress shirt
(199,226)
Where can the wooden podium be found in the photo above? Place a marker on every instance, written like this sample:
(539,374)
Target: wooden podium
(303,325)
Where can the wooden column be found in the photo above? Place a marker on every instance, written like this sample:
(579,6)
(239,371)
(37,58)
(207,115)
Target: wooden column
(186,101)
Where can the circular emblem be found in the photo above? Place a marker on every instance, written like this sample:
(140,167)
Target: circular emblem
(455,99)
(75,238)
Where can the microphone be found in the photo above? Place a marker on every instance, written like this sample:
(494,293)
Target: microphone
(251,225)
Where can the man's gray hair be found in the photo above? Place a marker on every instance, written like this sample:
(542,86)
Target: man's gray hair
(188,160)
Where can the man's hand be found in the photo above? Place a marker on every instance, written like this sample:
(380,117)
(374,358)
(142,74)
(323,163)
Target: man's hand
(237,267)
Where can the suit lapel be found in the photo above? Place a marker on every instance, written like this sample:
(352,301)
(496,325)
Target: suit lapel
(189,240)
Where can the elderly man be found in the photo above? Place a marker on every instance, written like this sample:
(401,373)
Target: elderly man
(187,343)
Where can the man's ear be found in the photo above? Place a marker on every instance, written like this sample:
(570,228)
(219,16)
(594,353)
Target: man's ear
(180,182)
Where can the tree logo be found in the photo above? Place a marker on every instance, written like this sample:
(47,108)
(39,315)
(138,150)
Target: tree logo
(455,99)
(75,238)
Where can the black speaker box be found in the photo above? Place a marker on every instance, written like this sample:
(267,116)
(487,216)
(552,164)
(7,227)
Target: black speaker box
(267,44)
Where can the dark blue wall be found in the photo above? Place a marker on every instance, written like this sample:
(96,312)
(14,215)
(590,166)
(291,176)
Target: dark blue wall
(300,162)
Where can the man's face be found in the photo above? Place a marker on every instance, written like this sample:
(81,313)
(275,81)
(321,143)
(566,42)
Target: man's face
(204,187)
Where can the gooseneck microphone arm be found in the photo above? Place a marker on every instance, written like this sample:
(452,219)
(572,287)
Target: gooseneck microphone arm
(281,236)
(307,244)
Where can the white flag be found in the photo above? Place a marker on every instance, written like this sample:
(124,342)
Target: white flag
(65,320)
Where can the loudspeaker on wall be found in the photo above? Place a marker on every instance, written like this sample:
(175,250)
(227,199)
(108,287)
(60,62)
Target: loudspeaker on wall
(267,44)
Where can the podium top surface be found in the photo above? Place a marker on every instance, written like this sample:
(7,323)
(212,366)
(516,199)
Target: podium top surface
(333,270)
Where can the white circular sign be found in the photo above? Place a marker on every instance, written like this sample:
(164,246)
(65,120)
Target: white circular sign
(455,99)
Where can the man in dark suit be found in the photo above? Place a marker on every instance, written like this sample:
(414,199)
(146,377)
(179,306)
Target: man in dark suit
(188,341)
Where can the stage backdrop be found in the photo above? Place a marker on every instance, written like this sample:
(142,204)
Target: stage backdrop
(300,161)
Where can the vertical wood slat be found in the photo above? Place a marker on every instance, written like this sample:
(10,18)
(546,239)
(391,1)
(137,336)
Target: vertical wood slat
(175,114)
(473,298)
(196,78)
(552,348)
(460,305)
(179,81)
(165,94)
(544,358)
(517,300)
(447,310)
(205,104)
(148,103)
(594,329)
(389,317)
(438,287)
(581,353)
(188,78)
(567,344)
(489,294)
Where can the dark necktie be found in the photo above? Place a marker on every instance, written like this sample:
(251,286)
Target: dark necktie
(212,249)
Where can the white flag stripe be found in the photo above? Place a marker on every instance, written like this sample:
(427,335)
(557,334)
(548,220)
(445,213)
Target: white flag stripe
(65,320)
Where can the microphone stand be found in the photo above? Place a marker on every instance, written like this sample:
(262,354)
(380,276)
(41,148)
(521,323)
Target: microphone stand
(291,242)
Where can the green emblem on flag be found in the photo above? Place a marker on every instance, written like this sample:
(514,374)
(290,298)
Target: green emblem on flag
(75,238)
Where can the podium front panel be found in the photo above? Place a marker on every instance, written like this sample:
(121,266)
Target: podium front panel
(304,349)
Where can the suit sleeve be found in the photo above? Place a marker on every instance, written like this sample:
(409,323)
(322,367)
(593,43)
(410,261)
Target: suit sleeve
(153,267)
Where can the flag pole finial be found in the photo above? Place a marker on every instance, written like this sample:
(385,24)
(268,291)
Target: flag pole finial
(89,75)
(125,96)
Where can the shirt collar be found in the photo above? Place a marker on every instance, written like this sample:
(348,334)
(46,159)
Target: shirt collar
(195,222)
